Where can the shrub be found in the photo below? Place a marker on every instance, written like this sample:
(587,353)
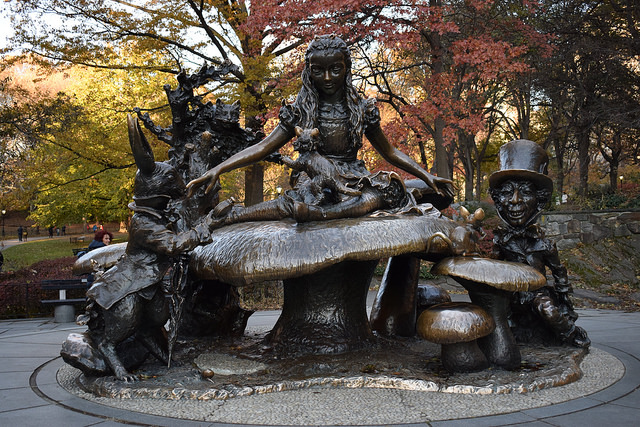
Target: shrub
(20,292)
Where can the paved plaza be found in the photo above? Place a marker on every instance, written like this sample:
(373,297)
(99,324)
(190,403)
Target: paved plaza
(30,394)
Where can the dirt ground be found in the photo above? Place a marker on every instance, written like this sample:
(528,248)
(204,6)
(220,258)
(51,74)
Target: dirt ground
(606,274)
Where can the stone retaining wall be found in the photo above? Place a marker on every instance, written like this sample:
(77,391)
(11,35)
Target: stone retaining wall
(569,228)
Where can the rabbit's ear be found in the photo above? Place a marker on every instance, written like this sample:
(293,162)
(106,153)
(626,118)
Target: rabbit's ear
(298,131)
(315,132)
(140,147)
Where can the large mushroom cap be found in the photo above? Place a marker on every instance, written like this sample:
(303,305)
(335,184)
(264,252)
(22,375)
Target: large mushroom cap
(103,258)
(252,252)
(454,322)
(504,275)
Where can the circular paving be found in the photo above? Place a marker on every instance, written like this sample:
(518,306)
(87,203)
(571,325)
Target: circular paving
(356,403)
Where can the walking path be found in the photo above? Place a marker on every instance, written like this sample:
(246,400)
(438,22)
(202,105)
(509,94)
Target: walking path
(31,396)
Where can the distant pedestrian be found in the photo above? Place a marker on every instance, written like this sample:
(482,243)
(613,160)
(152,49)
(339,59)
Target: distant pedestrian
(51,232)
(26,233)
(20,233)
(64,230)
(57,231)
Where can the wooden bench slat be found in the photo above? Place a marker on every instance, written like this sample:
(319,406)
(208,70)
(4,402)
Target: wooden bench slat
(64,301)
(63,281)
(64,287)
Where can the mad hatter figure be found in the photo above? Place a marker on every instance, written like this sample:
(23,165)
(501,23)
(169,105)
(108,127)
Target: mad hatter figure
(520,190)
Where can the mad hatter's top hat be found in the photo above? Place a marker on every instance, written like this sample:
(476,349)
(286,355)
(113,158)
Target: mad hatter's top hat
(522,159)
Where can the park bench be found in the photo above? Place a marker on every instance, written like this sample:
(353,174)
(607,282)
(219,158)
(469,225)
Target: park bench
(64,311)
(76,239)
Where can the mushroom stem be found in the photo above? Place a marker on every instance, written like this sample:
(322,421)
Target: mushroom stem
(500,345)
(463,357)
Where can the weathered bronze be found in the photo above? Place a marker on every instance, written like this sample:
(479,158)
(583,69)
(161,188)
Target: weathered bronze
(457,326)
(395,309)
(323,238)
(491,284)
(127,302)
(329,103)
(329,182)
(521,189)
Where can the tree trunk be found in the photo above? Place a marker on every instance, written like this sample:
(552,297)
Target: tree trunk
(254,174)
(583,159)
(441,161)
(465,142)
(254,184)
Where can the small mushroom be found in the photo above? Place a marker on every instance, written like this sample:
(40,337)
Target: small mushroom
(457,326)
(490,284)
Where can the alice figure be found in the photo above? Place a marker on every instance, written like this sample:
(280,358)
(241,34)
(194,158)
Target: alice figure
(329,102)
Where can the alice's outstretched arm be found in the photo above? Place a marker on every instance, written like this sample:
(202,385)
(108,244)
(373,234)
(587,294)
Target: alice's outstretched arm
(272,143)
(441,186)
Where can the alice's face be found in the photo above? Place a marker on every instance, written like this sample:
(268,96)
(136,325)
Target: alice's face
(106,239)
(516,201)
(328,70)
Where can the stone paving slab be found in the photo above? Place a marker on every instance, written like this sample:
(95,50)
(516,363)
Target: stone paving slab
(616,333)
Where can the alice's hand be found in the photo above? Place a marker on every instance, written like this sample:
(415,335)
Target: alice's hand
(211,176)
(442,186)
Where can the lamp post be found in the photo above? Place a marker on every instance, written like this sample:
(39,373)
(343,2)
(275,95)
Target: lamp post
(4,211)
(621,178)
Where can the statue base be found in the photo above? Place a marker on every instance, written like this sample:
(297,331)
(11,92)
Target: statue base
(227,368)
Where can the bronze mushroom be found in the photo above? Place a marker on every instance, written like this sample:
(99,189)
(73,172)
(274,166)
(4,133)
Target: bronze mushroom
(457,326)
(490,284)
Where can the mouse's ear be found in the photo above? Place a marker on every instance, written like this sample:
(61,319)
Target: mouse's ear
(140,147)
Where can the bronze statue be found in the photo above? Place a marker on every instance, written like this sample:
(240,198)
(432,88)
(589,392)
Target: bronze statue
(127,302)
(329,102)
(521,189)
(202,135)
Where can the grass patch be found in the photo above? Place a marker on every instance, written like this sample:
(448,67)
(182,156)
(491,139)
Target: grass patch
(28,253)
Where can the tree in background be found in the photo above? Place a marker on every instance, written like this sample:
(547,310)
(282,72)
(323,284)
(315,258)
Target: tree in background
(592,80)
(446,76)
(70,155)
(460,76)
(260,37)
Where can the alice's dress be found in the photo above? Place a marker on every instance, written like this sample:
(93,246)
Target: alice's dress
(339,146)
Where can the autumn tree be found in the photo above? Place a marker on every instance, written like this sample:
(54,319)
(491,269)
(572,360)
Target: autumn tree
(63,129)
(592,79)
(444,71)
(260,37)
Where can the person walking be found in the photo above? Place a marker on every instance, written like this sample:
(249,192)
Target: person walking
(19,233)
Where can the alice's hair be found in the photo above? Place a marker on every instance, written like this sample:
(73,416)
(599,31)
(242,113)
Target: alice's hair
(100,235)
(308,99)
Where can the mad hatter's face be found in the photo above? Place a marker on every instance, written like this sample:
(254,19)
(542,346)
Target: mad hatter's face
(516,201)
